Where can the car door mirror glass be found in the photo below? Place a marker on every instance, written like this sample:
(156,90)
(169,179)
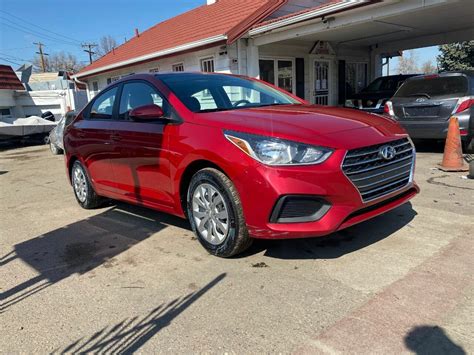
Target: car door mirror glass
(146,113)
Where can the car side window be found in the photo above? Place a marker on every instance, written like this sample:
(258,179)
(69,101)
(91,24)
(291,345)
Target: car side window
(138,94)
(103,105)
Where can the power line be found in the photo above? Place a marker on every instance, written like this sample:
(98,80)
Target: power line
(32,32)
(9,61)
(15,49)
(42,28)
(13,57)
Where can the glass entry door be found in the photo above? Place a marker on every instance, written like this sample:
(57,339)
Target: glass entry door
(279,72)
(321,82)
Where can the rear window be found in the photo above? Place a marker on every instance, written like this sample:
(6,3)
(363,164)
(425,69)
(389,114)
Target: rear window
(442,86)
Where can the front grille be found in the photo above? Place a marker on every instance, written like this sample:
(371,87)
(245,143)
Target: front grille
(376,177)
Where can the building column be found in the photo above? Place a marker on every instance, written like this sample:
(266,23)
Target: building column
(375,65)
(253,68)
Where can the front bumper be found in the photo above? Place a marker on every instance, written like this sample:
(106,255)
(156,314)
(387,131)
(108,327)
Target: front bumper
(325,181)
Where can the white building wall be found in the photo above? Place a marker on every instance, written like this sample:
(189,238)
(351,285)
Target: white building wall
(225,61)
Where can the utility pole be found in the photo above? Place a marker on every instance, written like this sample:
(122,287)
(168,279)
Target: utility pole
(89,50)
(42,55)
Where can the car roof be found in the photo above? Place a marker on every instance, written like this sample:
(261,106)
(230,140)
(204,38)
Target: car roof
(468,73)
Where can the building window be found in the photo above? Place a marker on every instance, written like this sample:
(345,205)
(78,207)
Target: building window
(95,86)
(155,70)
(207,65)
(178,67)
(356,77)
(113,79)
(279,72)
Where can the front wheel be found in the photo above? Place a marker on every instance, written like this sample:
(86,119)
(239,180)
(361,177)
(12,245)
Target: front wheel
(216,214)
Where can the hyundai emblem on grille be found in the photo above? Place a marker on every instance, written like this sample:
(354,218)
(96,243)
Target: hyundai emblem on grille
(387,152)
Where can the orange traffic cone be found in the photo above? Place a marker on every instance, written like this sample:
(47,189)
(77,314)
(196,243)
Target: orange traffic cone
(452,158)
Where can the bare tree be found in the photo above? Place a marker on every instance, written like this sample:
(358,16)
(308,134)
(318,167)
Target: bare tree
(60,61)
(106,44)
(428,68)
(407,64)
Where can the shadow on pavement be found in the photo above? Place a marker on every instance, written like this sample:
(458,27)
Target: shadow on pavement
(340,243)
(431,340)
(131,334)
(82,246)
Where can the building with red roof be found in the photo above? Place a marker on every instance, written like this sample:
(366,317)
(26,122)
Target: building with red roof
(321,50)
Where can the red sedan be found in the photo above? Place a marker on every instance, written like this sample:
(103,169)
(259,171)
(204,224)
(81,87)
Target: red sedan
(239,158)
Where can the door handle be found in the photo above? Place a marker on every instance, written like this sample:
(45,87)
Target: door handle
(81,134)
(116,137)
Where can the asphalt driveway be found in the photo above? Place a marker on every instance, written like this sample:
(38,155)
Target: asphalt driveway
(123,278)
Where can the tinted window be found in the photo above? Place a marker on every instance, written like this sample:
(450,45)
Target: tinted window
(442,86)
(215,92)
(384,84)
(103,105)
(139,94)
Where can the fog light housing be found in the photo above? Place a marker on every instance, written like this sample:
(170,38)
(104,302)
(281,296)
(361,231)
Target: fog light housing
(299,209)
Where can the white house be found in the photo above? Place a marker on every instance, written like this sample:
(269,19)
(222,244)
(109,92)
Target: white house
(37,94)
(317,49)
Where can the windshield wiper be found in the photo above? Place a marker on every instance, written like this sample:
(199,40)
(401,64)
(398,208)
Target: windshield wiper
(420,94)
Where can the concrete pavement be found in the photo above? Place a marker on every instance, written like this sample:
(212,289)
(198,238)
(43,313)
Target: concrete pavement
(123,278)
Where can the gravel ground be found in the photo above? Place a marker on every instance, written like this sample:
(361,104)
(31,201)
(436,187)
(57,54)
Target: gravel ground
(123,279)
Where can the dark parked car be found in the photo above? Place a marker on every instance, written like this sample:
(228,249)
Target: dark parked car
(424,104)
(239,158)
(373,97)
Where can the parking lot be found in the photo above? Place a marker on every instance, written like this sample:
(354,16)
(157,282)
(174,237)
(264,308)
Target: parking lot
(122,278)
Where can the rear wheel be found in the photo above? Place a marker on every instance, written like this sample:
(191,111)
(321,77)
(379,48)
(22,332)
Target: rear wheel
(83,190)
(216,215)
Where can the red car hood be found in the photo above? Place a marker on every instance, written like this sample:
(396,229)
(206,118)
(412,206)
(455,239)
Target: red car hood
(322,125)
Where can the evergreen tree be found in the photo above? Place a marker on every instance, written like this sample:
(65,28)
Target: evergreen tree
(456,56)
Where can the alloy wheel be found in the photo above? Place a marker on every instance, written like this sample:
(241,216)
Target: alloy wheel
(210,213)
(79,183)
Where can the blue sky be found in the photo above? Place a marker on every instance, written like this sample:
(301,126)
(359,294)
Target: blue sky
(73,22)
(422,54)
(64,24)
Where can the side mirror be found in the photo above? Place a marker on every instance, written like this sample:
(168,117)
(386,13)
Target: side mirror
(146,113)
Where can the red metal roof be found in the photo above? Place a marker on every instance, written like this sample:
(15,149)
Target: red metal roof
(8,79)
(230,18)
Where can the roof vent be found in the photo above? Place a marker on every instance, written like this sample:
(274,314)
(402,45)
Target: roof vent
(210,2)
(137,34)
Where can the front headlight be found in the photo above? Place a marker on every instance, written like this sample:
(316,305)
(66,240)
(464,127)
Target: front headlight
(275,151)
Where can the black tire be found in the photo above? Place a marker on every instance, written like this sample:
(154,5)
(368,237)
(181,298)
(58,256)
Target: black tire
(89,200)
(55,150)
(237,238)
(468,146)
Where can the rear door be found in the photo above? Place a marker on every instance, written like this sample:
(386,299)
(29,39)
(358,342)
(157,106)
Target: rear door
(140,159)
(92,138)
(429,98)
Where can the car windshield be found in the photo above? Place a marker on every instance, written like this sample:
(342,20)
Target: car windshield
(434,87)
(383,84)
(218,92)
